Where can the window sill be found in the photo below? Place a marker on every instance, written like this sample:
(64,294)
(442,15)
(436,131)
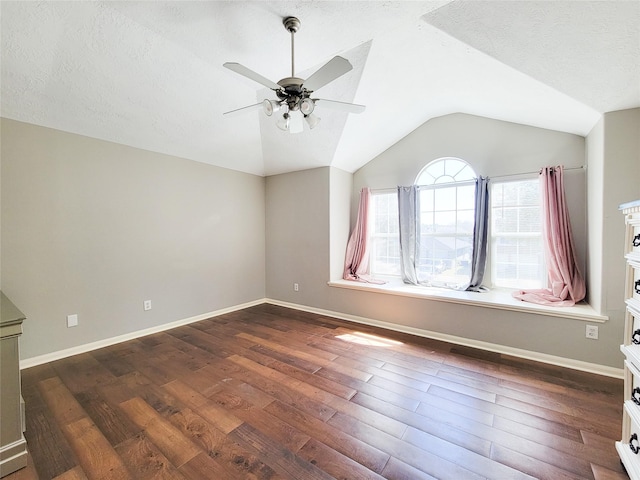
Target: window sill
(500,299)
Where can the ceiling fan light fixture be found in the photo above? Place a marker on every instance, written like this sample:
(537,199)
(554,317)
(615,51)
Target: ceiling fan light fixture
(283,123)
(312,120)
(306,106)
(269,106)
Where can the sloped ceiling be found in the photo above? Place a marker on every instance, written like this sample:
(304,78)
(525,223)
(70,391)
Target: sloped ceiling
(150,75)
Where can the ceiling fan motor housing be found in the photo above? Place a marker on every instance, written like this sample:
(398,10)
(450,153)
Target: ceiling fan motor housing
(292,92)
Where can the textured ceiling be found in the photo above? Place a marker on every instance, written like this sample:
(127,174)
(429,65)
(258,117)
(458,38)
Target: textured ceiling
(150,75)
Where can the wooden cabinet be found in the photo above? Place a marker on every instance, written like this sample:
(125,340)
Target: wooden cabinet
(13,447)
(629,447)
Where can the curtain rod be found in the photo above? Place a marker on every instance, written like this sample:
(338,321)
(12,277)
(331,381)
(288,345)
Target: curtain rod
(582,167)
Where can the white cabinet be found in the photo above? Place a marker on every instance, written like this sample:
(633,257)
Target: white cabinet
(629,447)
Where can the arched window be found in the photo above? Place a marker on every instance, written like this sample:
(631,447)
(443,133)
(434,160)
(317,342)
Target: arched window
(445,229)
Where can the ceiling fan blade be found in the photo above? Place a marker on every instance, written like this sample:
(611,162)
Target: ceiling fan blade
(238,111)
(250,74)
(342,106)
(331,70)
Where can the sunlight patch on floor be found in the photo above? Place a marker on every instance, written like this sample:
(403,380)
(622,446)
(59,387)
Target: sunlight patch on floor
(368,339)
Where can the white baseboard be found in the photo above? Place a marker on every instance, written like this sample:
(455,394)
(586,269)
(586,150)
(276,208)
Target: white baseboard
(491,347)
(87,347)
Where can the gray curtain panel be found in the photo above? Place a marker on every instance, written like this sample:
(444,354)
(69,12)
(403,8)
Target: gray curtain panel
(480,228)
(408,216)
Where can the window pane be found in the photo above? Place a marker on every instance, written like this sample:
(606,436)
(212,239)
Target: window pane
(445,198)
(517,252)
(530,219)
(436,169)
(445,222)
(426,199)
(466,197)
(445,170)
(465,221)
(384,255)
(467,173)
(453,166)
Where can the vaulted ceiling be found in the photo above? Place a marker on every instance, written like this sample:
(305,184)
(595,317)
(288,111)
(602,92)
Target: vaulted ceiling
(150,75)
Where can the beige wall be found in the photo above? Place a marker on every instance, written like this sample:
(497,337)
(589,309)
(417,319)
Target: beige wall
(95,228)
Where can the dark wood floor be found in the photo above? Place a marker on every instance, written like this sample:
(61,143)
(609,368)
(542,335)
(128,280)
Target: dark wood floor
(273,393)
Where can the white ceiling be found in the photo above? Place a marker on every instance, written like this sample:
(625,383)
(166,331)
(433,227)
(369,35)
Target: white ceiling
(150,75)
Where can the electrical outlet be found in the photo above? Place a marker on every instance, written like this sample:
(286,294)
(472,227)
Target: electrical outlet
(592,332)
(72,320)
(296,287)
(147,305)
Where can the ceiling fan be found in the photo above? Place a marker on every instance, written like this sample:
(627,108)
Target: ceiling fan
(294,93)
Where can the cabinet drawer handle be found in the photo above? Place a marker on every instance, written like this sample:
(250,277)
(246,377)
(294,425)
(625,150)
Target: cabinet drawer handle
(635,448)
(636,240)
(635,395)
(635,338)
(636,286)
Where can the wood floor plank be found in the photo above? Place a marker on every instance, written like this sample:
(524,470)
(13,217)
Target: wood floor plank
(111,422)
(600,425)
(334,463)
(480,464)
(225,420)
(74,474)
(52,454)
(230,459)
(331,436)
(97,457)
(540,423)
(296,387)
(276,456)
(533,466)
(271,393)
(397,470)
(307,353)
(335,402)
(203,466)
(169,440)
(143,457)
(602,473)
(590,453)
(61,402)
(427,462)
(82,372)
(278,430)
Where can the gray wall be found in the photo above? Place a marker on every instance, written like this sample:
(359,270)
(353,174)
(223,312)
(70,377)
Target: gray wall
(595,203)
(621,184)
(298,235)
(493,148)
(96,228)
